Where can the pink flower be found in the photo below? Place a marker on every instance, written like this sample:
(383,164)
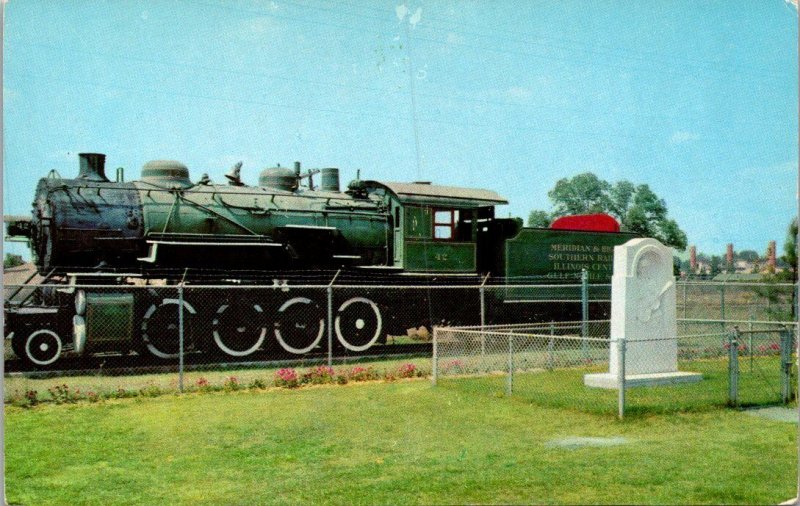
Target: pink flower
(407,371)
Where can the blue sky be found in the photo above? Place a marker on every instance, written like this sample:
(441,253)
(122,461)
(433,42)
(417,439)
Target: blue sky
(696,99)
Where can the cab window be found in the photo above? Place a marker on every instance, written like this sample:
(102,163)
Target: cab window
(444,224)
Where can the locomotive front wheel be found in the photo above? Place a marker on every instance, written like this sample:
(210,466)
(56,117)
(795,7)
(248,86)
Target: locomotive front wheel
(40,348)
(300,325)
(358,324)
(160,332)
(237,331)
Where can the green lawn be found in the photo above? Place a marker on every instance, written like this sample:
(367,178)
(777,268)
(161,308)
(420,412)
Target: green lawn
(378,443)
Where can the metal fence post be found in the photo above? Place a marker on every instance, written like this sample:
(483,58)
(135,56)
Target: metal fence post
(330,318)
(621,379)
(510,381)
(550,345)
(750,344)
(435,359)
(180,337)
(786,364)
(585,312)
(733,367)
(483,317)
(330,326)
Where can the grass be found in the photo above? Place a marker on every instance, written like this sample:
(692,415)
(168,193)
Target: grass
(385,443)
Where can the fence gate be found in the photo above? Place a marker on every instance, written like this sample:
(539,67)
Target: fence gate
(760,367)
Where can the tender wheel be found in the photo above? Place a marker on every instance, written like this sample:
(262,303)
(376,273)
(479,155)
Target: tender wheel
(160,328)
(239,330)
(41,348)
(358,324)
(300,325)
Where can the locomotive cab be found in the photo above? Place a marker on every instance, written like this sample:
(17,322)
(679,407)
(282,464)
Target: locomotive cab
(438,229)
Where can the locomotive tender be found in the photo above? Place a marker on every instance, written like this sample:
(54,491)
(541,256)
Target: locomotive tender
(165,229)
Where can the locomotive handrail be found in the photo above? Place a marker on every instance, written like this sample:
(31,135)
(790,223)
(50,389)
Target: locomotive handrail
(305,286)
(208,210)
(25,284)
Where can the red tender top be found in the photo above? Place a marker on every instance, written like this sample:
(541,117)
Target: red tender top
(587,222)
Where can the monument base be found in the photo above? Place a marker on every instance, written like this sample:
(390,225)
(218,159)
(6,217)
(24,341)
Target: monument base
(609,381)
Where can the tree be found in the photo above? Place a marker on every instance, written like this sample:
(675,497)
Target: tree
(716,265)
(637,208)
(12,260)
(790,248)
(539,219)
(747,255)
(676,266)
(583,194)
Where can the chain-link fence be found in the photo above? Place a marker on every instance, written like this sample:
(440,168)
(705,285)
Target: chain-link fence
(125,336)
(736,301)
(547,364)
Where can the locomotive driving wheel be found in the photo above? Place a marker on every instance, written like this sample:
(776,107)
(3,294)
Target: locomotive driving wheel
(160,332)
(358,324)
(40,348)
(239,328)
(300,325)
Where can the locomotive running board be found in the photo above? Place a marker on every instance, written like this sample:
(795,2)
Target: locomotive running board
(151,258)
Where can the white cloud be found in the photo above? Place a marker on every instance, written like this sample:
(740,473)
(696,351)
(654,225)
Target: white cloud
(681,136)
(401,11)
(519,93)
(416,17)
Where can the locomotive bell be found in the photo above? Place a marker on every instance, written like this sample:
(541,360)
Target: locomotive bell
(92,167)
(167,173)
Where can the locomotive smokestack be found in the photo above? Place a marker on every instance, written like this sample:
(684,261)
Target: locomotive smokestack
(92,167)
(297,169)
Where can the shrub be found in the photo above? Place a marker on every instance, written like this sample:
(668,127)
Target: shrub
(408,371)
(92,396)
(286,378)
(32,397)
(203,384)
(150,391)
(62,394)
(341,379)
(121,393)
(319,375)
(359,373)
(27,400)
(258,384)
(231,384)
(454,366)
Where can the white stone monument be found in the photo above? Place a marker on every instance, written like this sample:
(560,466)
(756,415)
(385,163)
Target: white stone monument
(643,313)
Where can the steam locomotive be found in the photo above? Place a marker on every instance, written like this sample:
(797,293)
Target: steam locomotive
(166,230)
